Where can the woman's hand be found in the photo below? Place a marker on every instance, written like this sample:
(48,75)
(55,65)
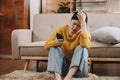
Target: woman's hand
(59,42)
(81,16)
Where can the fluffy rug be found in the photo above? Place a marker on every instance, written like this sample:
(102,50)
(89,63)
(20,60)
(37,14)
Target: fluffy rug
(30,75)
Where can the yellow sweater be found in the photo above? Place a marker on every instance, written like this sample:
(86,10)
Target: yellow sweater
(79,38)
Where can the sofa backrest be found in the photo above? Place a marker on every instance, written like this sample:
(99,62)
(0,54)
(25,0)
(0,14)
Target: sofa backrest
(97,21)
(45,24)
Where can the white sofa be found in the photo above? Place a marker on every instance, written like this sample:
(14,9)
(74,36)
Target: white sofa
(28,44)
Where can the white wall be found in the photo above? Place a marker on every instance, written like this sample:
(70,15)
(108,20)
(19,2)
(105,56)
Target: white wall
(113,6)
(34,9)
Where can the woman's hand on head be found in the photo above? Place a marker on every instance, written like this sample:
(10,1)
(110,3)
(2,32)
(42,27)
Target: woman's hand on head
(81,16)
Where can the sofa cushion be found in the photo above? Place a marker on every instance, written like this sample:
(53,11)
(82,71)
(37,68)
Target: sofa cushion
(97,49)
(33,49)
(107,35)
(102,50)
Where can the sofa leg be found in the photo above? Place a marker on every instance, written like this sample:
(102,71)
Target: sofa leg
(26,64)
(89,64)
(37,66)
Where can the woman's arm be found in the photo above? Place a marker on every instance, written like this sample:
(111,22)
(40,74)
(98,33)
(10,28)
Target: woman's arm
(81,16)
(85,37)
(53,41)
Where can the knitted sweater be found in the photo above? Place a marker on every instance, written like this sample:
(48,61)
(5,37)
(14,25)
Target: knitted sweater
(79,38)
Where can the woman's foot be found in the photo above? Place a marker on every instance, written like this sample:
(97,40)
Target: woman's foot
(67,78)
(58,76)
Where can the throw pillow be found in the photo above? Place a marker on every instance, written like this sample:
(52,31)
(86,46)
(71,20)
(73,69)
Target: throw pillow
(107,35)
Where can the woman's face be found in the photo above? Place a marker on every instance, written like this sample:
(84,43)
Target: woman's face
(74,27)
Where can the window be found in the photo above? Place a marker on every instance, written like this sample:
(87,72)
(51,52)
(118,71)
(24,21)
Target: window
(92,6)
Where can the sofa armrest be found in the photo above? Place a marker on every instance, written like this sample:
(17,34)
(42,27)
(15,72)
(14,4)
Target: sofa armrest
(19,37)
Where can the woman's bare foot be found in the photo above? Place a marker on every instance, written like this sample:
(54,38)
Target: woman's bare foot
(67,78)
(58,76)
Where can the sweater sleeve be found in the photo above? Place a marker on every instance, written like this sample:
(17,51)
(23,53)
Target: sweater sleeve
(51,41)
(85,39)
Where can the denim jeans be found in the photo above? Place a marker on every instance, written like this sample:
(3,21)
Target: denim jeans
(58,63)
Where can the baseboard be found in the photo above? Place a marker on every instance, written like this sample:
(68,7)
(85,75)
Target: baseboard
(5,56)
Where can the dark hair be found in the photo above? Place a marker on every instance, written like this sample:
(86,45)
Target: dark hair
(74,17)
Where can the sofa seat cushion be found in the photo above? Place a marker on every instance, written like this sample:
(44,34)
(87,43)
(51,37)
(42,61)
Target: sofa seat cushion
(99,49)
(33,49)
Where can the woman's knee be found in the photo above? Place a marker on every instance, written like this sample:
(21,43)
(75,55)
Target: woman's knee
(84,50)
(55,51)
(79,47)
(53,48)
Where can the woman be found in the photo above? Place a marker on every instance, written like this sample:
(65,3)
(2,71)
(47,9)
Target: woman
(68,57)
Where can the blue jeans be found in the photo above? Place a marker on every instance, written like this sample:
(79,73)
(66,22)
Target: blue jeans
(58,63)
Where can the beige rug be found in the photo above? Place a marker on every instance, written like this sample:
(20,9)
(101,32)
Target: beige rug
(30,75)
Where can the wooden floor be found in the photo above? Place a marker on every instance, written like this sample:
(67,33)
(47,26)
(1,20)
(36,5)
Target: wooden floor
(9,65)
